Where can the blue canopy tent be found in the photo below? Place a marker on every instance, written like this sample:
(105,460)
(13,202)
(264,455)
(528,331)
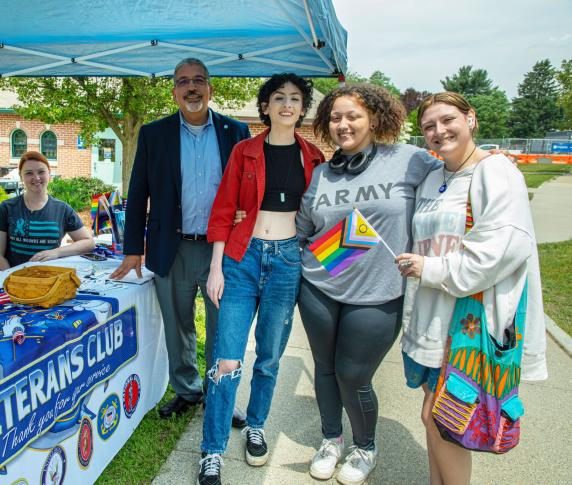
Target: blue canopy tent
(148,37)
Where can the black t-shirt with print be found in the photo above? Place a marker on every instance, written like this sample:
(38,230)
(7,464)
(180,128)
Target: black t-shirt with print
(30,232)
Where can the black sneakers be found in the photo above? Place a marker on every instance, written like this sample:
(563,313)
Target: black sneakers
(177,406)
(256,448)
(209,471)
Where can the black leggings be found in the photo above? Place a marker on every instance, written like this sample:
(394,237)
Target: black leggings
(348,343)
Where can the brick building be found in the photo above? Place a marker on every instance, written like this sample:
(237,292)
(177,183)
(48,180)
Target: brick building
(58,142)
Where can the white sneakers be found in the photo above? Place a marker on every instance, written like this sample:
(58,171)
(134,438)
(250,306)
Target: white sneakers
(357,467)
(326,458)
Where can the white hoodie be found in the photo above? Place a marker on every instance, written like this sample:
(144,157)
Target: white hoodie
(496,257)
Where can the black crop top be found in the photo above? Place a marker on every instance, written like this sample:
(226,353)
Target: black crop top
(285,180)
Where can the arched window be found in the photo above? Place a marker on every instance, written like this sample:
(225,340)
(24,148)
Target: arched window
(19,141)
(49,145)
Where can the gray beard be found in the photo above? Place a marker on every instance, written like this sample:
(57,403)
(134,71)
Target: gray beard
(193,107)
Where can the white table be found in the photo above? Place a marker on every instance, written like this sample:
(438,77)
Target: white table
(88,371)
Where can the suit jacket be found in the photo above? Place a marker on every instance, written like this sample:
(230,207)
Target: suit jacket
(156,176)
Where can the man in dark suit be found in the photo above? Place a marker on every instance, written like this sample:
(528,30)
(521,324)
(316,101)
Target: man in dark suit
(177,170)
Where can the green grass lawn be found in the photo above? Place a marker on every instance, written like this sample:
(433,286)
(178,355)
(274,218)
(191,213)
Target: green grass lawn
(142,456)
(555,269)
(535,180)
(541,167)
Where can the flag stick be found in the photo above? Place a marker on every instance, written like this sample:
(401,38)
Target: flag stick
(388,248)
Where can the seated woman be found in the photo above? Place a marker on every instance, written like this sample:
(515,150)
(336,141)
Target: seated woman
(32,225)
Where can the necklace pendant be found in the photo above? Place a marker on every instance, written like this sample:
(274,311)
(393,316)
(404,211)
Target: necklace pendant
(443,188)
(282,197)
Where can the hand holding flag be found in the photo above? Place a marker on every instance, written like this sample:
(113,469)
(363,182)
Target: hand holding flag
(410,265)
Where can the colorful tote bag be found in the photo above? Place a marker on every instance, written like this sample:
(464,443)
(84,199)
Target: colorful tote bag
(476,401)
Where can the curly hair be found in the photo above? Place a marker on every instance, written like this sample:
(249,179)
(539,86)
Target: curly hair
(387,111)
(452,99)
(276,82)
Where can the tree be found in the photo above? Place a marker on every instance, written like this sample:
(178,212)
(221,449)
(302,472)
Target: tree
(122,104)
(233,92)
(490,103)
(564,77)
(381,79)
(468,82)
(411,99)
(536,111)
(493,111)
(412,119)
(325,85)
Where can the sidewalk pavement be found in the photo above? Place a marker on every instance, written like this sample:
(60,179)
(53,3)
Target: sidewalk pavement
(293,428)
(552,210)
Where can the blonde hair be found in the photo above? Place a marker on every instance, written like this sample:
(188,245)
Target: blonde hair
(452,99)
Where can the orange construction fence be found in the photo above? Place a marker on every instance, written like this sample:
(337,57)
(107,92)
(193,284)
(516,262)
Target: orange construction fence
(533,158)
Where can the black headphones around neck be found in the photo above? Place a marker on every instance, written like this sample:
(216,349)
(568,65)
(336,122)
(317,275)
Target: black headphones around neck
(352,164)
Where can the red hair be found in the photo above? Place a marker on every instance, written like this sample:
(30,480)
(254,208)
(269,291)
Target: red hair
(35,156)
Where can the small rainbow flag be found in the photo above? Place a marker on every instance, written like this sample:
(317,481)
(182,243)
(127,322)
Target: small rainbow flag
(114,200)
(94,205)
(345,243)
(102,221)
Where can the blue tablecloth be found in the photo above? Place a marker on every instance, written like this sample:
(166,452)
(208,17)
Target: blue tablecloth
(77,379)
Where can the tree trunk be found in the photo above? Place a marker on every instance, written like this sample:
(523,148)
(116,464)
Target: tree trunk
(129,149)
(130,134)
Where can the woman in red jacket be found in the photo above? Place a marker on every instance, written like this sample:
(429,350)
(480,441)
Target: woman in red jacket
(256,265)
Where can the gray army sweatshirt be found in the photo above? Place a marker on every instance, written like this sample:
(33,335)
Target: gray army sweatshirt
(385,194)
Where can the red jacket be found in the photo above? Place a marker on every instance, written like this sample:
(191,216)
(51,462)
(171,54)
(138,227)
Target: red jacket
(242,186)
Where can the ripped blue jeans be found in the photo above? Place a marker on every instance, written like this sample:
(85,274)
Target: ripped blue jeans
(267,279)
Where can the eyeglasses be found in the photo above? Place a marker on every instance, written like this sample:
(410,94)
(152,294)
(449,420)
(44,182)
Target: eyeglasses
(198,81)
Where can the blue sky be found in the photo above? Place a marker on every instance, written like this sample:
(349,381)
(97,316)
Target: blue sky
(418,42)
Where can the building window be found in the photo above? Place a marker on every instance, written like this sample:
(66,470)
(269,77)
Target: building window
(106,150)
(49,145)
(19,143)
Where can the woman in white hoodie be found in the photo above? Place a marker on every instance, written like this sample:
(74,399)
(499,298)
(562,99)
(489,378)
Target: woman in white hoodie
(496,257)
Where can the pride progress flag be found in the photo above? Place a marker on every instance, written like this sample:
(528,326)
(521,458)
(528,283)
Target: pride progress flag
(345,243)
